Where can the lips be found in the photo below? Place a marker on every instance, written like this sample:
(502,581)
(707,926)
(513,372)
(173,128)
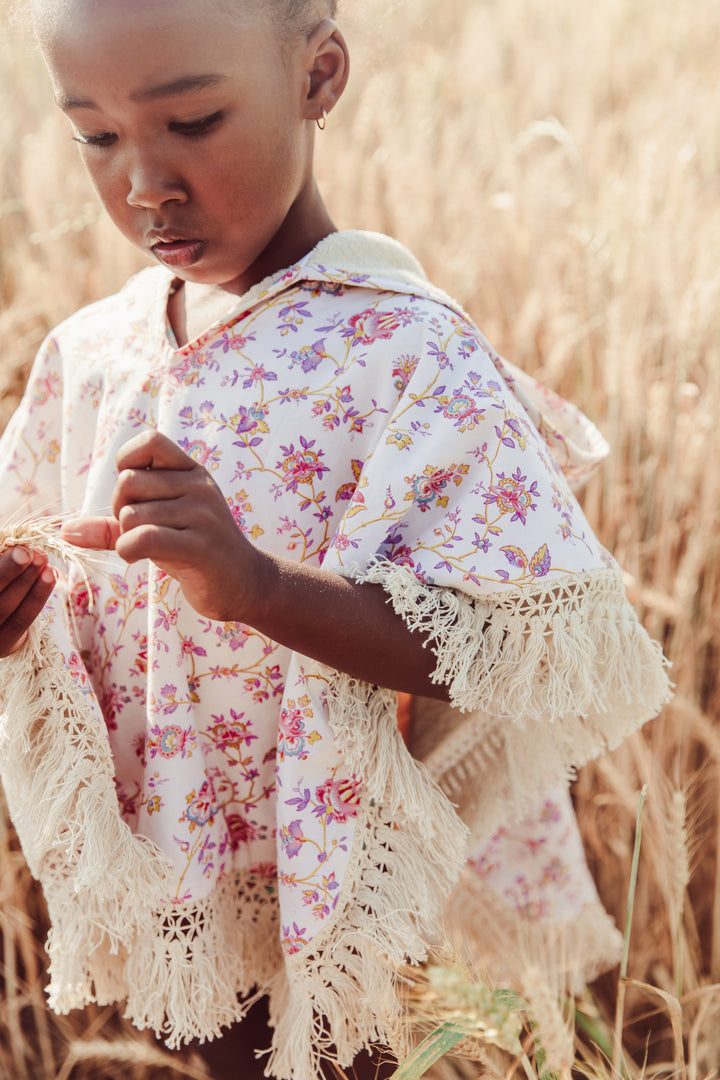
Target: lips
(175,250)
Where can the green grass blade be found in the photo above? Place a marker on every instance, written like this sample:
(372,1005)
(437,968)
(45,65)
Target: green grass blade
(633,884)
(431,1049)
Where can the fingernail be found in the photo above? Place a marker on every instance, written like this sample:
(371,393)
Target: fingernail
(39,559)
(21,556)
(48,576)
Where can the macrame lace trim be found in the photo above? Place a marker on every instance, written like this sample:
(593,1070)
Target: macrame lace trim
(549,677)
(112,936)
(57,771)
(341,992)
(182,968)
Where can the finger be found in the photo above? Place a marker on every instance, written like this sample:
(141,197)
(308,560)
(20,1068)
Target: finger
(23,600)
(152,450)
(99,533)
(12,563)
(162,545)
(166,513)
(145,485)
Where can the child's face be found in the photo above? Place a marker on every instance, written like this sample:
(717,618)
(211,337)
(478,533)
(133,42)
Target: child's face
(196,129)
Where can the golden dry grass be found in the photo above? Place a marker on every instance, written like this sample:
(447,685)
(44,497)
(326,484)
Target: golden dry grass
(555,166)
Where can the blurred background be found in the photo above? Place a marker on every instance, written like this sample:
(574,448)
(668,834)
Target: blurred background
(555,166)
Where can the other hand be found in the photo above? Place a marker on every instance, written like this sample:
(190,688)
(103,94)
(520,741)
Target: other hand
(26,582)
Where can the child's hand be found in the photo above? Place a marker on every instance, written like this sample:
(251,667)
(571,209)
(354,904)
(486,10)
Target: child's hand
(168,509)
(26,582)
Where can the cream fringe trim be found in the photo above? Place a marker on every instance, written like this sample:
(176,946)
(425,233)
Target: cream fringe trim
(100,881)
(342,990)
(112,936)
(550,676)
(186,978)
(504,945)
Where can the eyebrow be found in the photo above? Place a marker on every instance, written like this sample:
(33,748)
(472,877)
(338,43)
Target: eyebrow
(186,84)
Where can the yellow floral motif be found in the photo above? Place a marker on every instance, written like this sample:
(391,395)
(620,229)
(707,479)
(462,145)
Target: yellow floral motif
(399,439)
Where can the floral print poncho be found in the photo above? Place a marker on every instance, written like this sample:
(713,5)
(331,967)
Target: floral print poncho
(208,812)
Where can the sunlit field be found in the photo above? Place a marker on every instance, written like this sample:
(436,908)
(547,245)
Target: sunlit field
(556,167)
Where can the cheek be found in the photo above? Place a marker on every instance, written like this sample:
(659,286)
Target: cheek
(108,182)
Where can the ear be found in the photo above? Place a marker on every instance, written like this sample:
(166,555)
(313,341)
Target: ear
(327,66)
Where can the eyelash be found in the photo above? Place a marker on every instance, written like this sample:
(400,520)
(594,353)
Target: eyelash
(194,129)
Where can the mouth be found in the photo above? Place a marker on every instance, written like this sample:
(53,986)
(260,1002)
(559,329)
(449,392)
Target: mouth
(176,251)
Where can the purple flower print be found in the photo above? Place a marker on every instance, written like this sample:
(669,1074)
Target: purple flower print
(512,497)
(291,837)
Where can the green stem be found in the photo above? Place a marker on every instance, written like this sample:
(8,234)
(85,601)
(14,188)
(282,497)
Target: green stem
(633,884)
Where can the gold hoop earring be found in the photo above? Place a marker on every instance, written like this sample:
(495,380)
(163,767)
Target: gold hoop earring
(322,120)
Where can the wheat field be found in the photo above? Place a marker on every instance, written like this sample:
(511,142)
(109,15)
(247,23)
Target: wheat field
(556,167)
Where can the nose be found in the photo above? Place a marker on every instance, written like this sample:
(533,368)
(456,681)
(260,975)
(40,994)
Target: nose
(153,181)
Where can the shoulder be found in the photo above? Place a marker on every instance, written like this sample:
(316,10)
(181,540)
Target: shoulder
(368,269)
(138,304)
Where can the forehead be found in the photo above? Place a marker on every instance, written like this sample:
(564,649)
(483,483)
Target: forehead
(65,21)
(118,42)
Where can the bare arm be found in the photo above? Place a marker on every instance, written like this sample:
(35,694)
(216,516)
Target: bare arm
(168,509)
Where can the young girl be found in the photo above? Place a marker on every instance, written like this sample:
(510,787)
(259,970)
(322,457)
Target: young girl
(314,485)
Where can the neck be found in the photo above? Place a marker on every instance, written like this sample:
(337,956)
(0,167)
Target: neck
(307,223)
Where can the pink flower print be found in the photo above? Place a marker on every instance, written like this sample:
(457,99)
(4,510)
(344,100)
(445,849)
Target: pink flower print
(264,870)
(402,372)
(342,542)
(346,491)
(512,497)
(550,811)
(301,466)
(427,488)
(231,734)
(293,734)
(483,865)
(47,387)
(78,672)
(293,941)
(338,799)
(81,599)
(372,325)
(202,808)
(171,740)
(462,409)
(202,452)
(241,830)
(189,648)
(140,665)
(111,703)
(291,724)
(291,838)
(556,871)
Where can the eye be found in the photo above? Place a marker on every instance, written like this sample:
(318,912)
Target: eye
(105,139)
(193,128)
